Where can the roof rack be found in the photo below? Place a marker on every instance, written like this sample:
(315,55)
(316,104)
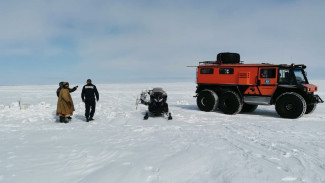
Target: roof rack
(298,66)
(293,66)
(209,62)
(216,63)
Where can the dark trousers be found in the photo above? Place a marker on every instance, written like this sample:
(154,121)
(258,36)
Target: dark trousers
(92,105)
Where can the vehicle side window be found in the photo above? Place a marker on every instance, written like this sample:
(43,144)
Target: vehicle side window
(284,76)
(226,71)
(206,71)
(267,73)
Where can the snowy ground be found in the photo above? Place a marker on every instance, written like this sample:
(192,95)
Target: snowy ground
(121,147)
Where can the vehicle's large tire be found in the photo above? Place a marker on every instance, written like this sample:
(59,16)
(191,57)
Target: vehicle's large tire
(207,100)
(248,108)
(310,108)
(290,105)
(230,102)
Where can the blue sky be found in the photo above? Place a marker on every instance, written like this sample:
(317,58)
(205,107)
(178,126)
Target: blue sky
(45,42)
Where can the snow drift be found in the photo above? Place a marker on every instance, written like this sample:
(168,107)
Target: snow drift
(119,146)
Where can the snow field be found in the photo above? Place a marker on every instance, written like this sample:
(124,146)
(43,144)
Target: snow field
(119,146)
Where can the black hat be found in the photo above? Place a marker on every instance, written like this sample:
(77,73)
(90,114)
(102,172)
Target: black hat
(88,80)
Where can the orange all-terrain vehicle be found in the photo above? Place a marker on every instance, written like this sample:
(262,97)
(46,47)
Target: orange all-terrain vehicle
(233,87)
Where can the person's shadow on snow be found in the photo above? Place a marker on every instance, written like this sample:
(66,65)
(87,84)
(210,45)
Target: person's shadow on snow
(76,117)
(79,117)
(55,117)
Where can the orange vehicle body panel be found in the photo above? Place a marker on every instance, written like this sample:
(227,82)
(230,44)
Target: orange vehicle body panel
(252,90)
(310,87)
(240,74)
(247,74)
(267,90)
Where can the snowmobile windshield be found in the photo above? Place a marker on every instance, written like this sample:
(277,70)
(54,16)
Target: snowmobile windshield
(158,97)
(300,77)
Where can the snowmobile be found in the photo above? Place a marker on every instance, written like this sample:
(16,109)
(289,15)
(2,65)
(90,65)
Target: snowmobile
(156,100)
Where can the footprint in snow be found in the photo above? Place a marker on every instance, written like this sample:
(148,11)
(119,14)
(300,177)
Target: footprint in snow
(289,179)
(127,164)
(287,155)
(12,157)
(155,174)
(151,169)
(152,178)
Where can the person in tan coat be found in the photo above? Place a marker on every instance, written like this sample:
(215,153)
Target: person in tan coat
(65,105)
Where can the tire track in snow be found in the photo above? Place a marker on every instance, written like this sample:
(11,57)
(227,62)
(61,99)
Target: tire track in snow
(250,143)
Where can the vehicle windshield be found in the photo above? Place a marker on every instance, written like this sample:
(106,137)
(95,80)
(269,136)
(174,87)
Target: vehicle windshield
(285,77)
(300,78)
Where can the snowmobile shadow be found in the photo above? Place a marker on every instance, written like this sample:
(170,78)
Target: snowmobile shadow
(187,107)
(152,115)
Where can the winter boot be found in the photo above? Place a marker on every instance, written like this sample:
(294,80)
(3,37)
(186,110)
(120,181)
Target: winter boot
(170,116)
(62,119)
(65,120)
(146,116)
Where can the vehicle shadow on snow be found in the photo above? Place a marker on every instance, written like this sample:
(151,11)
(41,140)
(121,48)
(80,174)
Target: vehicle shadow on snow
(261,112)
(257,112)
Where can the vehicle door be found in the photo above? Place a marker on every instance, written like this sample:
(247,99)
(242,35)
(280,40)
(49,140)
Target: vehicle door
(267,80)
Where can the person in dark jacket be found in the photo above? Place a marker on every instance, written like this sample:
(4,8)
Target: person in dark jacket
(89,95)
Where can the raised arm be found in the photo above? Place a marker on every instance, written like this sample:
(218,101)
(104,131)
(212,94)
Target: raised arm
(73,89)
